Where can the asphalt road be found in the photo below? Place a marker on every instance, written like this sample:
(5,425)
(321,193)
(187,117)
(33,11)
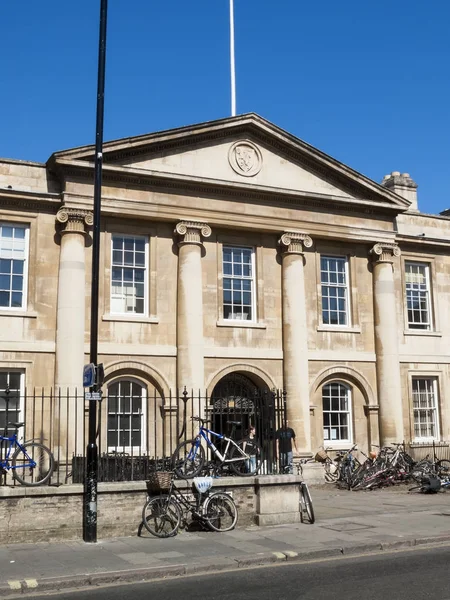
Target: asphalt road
(407,575)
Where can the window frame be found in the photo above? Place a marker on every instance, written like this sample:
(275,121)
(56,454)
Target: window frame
(146,269)
(342,443)
(21,390)
(436,388)
(253,286)
(132,450)
(348,311)
(25,295)
(429,296)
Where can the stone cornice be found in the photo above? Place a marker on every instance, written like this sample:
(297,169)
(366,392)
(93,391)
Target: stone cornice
(384,252)
(191,232)
(25,201)
(292,242)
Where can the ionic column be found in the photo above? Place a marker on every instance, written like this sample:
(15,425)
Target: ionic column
(295,337)
(70,327)
(190,350)
(386,343)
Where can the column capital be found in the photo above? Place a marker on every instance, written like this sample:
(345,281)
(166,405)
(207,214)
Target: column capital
(74,220)
(192,232)
(384,252)
(292,242)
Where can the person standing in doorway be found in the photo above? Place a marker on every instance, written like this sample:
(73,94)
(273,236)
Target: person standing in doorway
(285,437)
(251,447)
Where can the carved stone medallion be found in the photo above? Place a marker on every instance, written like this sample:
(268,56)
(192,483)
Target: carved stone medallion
(245,158)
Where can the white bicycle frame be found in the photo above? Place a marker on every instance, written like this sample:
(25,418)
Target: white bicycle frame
(222,457)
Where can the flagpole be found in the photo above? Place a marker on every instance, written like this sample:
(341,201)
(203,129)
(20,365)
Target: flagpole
(232,68)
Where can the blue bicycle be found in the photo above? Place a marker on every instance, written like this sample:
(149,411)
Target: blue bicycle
(243,457)
(31,463)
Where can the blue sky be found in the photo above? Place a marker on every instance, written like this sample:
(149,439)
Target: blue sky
(366,82)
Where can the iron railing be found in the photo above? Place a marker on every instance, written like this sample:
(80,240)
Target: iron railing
(137,432)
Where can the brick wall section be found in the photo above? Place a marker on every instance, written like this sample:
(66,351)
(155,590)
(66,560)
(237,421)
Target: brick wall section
(46,514)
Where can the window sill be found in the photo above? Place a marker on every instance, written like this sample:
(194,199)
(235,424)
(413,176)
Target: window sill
(17,313)
(130,318)
(339,329)
(240,323)
(338,446)
(421,332)
(425,442)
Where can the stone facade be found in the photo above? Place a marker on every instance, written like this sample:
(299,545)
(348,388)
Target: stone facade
(246,251)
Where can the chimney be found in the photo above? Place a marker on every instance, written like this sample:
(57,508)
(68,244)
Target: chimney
(403,185)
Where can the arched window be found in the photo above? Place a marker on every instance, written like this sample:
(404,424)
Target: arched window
(337,415)
(127,416)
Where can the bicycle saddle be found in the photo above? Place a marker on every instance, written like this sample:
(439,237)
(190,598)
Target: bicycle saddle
(17,425)
(234,423)
(203,484)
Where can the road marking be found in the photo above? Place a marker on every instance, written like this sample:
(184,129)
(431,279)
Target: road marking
(31,583)
(279,555)
(15,585)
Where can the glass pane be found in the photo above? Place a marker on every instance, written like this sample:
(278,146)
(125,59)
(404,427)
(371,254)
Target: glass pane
(17,283)
(126,404)
(19,233)
(117,257)
(117,242)
(136,439)
(113,404)
(5,265)
(140,259)
(227,310)
(14,381)
(4,298)
(139,306)
(139,245)
(17,267)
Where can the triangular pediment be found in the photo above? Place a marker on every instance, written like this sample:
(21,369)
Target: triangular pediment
(245,151)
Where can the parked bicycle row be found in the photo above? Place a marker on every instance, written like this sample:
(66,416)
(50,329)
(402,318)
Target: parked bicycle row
(385,466)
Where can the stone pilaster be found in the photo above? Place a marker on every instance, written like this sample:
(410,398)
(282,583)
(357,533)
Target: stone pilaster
(70,326)
(190,346)
(295,336)
(386,343)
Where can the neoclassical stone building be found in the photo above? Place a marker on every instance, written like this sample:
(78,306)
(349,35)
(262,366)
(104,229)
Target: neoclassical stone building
(231,247)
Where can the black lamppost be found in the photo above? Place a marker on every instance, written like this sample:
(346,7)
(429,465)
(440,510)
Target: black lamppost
(90,485)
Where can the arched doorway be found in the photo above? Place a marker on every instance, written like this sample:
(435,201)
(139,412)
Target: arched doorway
(237,402)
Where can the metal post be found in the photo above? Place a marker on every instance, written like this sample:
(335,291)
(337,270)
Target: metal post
(90,485)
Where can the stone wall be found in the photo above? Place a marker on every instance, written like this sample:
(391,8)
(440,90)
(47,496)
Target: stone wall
(47,514)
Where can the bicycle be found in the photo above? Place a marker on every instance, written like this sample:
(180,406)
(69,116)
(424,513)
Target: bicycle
(305,504)
(189,457)
(163,515)
(31,459)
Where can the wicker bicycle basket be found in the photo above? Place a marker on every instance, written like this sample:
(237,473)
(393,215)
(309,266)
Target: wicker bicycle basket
(159,481)
(321,456)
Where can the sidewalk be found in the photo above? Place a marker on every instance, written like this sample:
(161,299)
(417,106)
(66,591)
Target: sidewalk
(346,523)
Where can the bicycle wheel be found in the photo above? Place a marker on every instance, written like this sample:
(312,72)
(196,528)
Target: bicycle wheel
(32,453)
(188,459)
(306,507)
(244,467)
(161,516)
(220,512)
(443,469)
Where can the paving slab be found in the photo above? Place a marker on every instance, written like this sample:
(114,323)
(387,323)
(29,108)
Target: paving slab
(348,523)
